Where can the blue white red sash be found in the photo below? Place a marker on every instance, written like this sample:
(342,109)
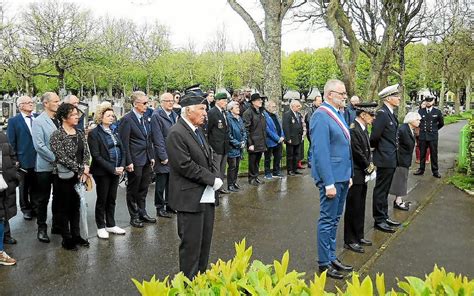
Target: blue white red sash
(337,120)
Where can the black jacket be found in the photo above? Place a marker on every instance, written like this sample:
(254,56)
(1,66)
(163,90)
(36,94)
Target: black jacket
(136,141)
(8,207)
(430,124)
(191,168)
(256,125)
(101,163)
(384,138)
(361,154)
(217,131)
(406,144)
(292,127)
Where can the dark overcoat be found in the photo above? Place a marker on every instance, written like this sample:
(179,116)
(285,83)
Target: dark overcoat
(361,154)
(8,207)
(384,138)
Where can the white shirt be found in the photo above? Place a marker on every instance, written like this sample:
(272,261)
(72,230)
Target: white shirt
(27,120)
(429,109)
(361,124)
(192,126)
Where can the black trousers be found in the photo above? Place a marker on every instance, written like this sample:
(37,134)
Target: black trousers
(44,180)
(137,189)
(276,153)
(380,195)
(68,206)
(161,190)
(221,160)
(292,157)
(27,191)
(254,162)
(232,170)
(195,232)
(106,188)
(354,215)
(433,146)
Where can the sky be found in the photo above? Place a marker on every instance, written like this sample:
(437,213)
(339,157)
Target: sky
(197,21)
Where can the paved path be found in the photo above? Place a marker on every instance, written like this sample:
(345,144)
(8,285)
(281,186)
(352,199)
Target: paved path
(280,215)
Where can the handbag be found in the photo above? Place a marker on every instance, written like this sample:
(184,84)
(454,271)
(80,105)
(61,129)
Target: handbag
(64,173)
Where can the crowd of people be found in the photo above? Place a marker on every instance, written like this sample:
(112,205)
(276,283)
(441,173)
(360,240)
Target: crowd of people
(191,145)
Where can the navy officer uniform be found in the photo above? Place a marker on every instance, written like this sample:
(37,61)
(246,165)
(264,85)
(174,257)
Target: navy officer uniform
(431,122)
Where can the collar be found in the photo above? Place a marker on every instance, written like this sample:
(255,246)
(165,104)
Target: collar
(168,112)
(220,110)
(138,115)
(331,107)
(192,126)
(389,108)
(24,115)
(429,109)
(361,124)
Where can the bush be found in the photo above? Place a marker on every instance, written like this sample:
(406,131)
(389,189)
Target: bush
(238,277)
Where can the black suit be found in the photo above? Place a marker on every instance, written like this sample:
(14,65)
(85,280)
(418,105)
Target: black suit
(430,123)
(293,130)
(355,203)
(218,135)
(137,143)
(384,140)
(191,170)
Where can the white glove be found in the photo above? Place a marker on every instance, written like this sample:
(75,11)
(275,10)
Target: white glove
(217,184)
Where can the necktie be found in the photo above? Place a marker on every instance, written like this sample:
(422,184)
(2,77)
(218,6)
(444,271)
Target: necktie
(142,122)
(172,118)
(198,134)
(225,119)
(31,121)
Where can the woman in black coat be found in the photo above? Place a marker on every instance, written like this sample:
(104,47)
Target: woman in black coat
(108,162)
(406,144)
(8,207)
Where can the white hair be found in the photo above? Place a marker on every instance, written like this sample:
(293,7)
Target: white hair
(294,103)
(354,98)
(67,99)
(231,105)
(166,94)
(331,85)
(137,95)
(184,112)
(411,116)
(21,100)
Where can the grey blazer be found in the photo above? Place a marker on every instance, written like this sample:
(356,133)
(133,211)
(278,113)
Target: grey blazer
(41,131)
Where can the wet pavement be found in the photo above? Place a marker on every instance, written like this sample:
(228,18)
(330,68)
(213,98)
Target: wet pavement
(277,216)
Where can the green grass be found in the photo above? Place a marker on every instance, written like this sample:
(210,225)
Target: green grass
(455,118)
(462,181)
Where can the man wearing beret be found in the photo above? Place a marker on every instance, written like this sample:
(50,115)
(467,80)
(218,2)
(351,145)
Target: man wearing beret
(431,122)
(192,173)
(218,134)
(384,141)
(362,160)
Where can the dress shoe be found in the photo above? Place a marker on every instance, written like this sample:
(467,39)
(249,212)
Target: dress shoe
(232,188)
(147,219)
(384,227)
(68,244)
(43,236)
(163,213)
(341,266)
(136,223)
(437,175)
(102,233)
(223,191)
(237,186)
(290,173)
(115,230)
(259,181)
(401,206)
(277,175)
(331,272)
(365,242)
(298,173)
(419,172)
(254,182)
(27,216)
(354,247)
(9,240)
(393,222)
(81,242)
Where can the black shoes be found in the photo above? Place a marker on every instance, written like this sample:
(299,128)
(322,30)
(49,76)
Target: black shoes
(27,216)
(147,219)
(81,242)
(137,223)
(259,181)
(232,188)
(331,272)
(365,242)
(9,240)
(393,222)
(384,227)
(401,206)
(354,247)
(298,173)
(254,182)
(223,191)
(69,244)
(437,175)
(341,266)
(163,213)
(419,172)
(290,173)
(237,186)
(43,236)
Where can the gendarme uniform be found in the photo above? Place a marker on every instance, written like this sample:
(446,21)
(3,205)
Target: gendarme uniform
(431,121)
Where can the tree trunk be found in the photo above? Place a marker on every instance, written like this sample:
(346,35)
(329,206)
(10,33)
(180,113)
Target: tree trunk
(401,63)
(272,59)
(457,101)
(442,92)
(148,78)
(468,93)
(95,86)
(109,90)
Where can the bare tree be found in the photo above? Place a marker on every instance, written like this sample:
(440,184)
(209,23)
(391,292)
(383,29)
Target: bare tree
(268,41)
(217,47)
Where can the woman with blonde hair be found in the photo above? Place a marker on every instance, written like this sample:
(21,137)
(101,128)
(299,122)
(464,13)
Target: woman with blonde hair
(406,144)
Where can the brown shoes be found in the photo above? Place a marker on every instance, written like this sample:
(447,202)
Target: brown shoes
(6,260)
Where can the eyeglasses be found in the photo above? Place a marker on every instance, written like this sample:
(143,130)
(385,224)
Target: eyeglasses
(340,93)
(143,103)
(168,101)
(27,103)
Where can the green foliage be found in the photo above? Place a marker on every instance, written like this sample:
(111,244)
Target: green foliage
(240,277)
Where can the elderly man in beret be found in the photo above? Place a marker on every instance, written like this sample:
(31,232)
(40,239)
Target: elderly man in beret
(431,122)
(218,134)
(384,141)
(193,181)
(363,166)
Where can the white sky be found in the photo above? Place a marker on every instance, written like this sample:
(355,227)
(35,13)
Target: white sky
(196,21)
